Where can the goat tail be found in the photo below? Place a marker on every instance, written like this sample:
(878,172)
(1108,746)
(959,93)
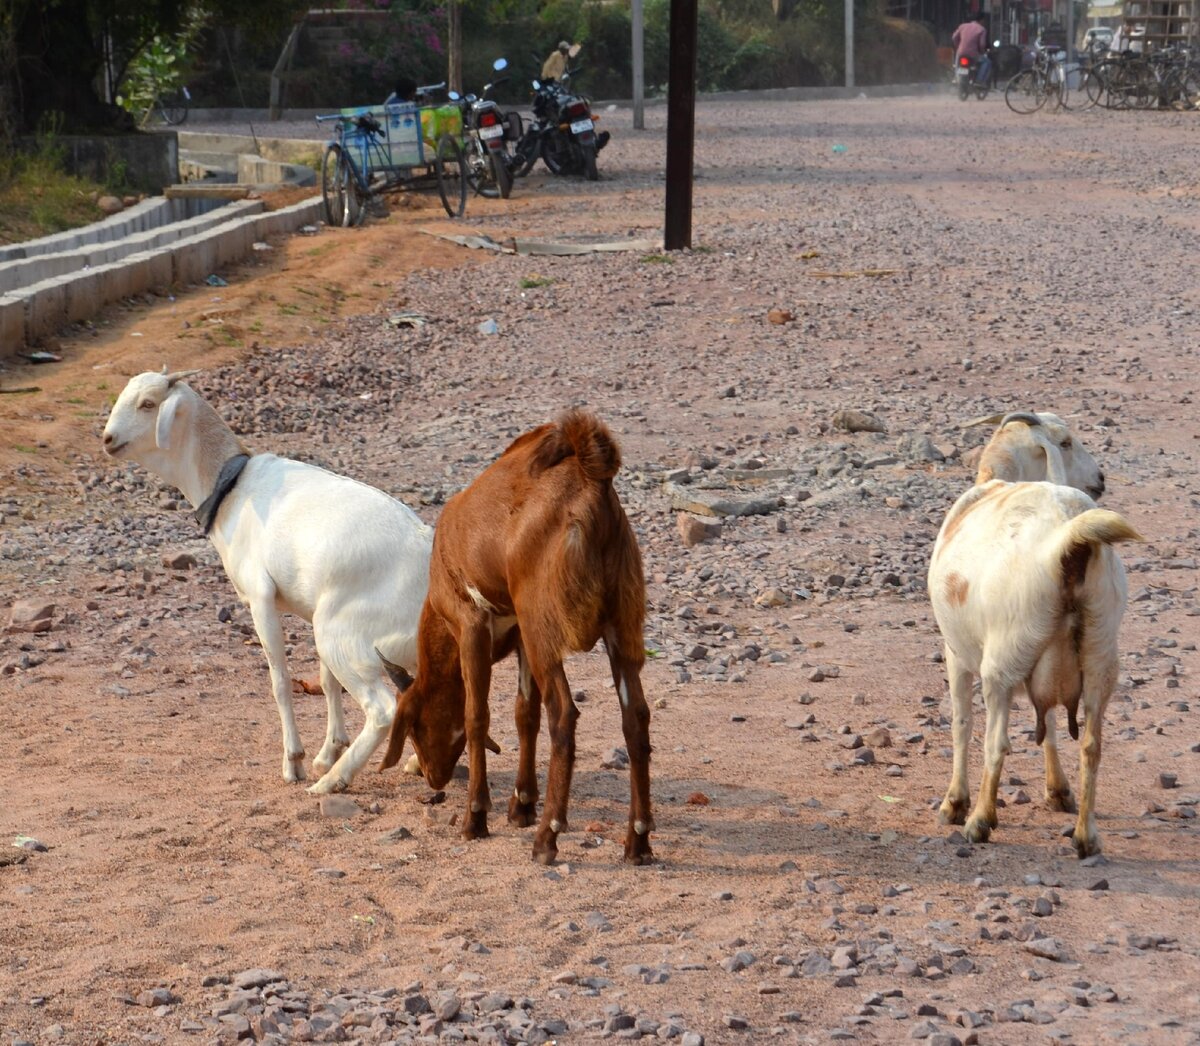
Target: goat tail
(591,442)
(1100,526)
(1077,538)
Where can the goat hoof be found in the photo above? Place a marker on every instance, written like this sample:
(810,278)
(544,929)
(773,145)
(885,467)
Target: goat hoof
(327,758)
(546,855)
(1086,846)
(475,825)
(953,811)
(1063,802)
(977,830)
(520,814)
(637,849)
(327,785)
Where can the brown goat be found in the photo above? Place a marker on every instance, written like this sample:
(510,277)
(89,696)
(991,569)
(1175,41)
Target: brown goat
(536,555)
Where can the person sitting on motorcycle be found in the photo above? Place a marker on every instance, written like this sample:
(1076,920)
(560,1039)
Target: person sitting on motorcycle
(970,39)
(554,66)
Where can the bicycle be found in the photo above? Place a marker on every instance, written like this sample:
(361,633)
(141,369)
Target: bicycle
(1032,88)
(379,149)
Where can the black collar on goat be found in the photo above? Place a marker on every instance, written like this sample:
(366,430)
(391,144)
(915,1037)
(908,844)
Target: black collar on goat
(206,514)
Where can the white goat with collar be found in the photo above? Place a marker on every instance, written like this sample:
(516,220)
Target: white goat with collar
(295,539)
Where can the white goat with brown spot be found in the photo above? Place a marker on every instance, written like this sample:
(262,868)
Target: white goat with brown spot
(1029,446)
(293,539)
(1028,592)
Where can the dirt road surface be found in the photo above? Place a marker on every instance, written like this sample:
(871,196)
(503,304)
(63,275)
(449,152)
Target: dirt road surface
(953,260)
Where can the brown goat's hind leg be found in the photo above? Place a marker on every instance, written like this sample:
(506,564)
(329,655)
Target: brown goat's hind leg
(562,714)
(635,721)
(475,649)
(522,805)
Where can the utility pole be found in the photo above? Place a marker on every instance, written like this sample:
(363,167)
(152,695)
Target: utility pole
(849,43)
(639,66)
(454,50)
(681,124)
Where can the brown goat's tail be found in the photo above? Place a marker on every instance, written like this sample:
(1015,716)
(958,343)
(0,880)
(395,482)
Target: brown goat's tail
(585,437)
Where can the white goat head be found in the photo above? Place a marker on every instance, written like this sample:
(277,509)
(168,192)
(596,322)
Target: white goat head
(1030,447)
(141,420)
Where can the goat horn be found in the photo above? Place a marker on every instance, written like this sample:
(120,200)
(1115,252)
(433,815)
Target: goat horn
(1028,417)
(987,419)
(178,375)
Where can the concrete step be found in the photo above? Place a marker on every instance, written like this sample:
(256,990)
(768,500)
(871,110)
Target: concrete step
(31,312)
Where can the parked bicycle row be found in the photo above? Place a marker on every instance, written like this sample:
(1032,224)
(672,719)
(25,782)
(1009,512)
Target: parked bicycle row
(463,145)
(1041,77)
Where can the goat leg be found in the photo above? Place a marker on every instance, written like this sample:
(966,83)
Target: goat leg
(997,699)
(958,796)
(635,722)
(476,654)
(270,634)
(522,806)
(1058,788)
(563,714)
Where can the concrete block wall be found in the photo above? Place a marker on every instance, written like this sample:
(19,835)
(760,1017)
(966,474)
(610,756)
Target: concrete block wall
(31,313)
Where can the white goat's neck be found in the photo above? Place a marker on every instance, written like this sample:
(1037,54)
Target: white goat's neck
(201,444)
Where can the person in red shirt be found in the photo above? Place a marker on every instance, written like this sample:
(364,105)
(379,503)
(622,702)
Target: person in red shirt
(970,38)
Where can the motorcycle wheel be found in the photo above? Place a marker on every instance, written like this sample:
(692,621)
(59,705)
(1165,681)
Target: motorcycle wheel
(981,92)
(501,174)
(526,157)
(589,162)
(963,91)
(556,161)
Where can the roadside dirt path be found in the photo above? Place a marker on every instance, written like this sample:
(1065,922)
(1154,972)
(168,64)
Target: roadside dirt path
(952,261)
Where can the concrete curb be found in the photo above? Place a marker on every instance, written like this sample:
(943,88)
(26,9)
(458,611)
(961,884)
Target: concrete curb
(25,272)
(149,214)
(31,313)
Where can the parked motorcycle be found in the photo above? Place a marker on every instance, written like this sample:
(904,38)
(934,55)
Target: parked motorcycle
(563,131)
(486,160)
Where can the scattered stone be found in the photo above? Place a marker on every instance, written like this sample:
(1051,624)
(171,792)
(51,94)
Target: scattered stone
(179,560)
(1046,948)
(857,421)
(695,531)
(339,806)
(780,316)
(1166,780)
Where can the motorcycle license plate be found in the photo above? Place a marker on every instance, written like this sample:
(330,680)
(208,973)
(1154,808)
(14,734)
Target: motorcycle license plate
(581,126)
(491,132)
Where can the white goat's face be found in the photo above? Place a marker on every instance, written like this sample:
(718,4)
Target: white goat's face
(133,426)
(1082,471)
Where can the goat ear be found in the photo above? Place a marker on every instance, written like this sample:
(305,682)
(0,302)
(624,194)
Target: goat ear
(166,421)
(399,734)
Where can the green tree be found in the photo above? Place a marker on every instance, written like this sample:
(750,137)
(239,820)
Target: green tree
(59,52)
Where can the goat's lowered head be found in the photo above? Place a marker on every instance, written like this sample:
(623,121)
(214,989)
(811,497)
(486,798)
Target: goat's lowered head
(1029,446)
(432,710)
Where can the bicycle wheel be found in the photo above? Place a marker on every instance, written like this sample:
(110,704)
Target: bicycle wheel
(1078,91)
(501,175)
(452,185)
(174,107)
(1189,88)
(1096,85)
(338,189)
(1026,92)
